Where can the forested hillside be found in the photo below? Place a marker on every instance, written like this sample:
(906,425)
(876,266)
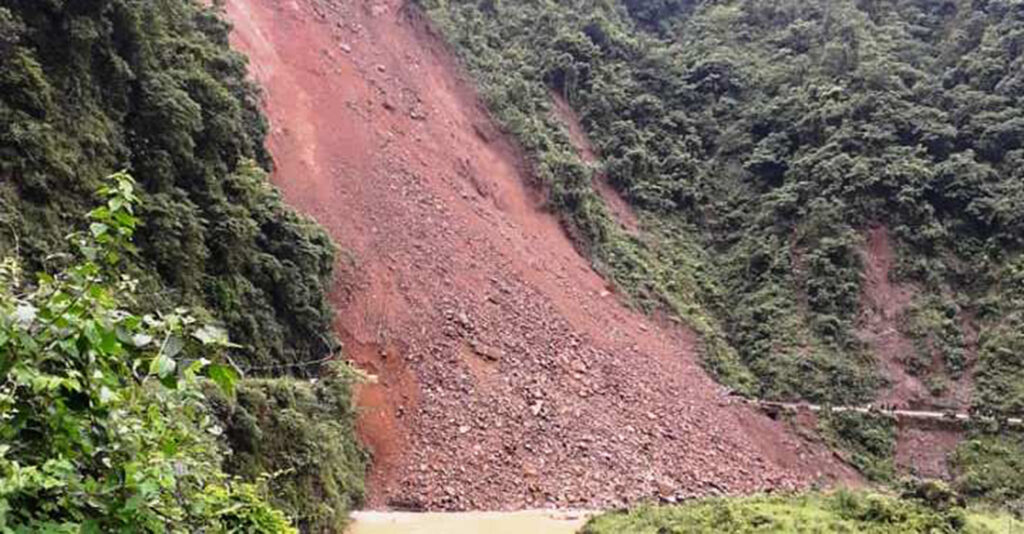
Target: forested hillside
(760,140)
(89,88)
(152,329)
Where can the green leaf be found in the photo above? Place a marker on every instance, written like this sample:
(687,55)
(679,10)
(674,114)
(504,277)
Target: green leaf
(98,229)
(224,376)
(212,335)
(99,213)
(162,366)
(108,342)
(196,367)
(125,219)
(170,381)
(173,346)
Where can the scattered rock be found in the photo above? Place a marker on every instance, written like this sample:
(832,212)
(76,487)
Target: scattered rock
(485,351)
(607,415)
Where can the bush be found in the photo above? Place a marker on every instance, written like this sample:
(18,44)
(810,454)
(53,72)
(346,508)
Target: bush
(104,424)
(989,466)
(839,512)
(300,433)
(869,440)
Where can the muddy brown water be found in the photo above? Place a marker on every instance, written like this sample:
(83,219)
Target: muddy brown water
(528,522)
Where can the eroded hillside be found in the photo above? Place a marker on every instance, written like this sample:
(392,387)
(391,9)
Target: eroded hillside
(509,373)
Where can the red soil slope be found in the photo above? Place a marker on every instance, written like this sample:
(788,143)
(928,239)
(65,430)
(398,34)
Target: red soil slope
(923,451)
(883,303)
(508,375)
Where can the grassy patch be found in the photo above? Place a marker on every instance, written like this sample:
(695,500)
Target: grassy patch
(841,512)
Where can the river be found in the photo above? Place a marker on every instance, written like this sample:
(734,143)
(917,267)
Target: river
(528,522)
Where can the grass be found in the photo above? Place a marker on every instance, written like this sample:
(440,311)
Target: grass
(840,512)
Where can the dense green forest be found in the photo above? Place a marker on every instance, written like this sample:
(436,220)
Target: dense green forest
(125,407)
(89,88)
(759,141)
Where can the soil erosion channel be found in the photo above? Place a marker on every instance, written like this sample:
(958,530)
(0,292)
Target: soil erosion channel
(509,377)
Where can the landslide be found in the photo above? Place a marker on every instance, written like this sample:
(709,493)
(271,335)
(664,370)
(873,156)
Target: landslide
(508,373)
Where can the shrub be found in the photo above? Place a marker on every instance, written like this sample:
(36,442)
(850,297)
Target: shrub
(300,433)
(840,512)
(869,439)
(104,424)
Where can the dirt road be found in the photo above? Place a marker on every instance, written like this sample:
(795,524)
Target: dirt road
(919,415)
(510,375)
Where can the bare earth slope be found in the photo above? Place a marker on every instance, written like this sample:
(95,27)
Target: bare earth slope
(509,376)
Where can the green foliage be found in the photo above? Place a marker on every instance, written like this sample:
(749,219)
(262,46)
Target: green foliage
(812,513)
(1000,368)
(988,466)
(90,88)
(933,324)
(758,139)
(105,428)
(868,439)
(302,434)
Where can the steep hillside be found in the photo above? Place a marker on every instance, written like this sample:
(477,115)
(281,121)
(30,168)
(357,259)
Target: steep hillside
(508,373)
(136,312)
(761,141)
(827,192)
(90,88)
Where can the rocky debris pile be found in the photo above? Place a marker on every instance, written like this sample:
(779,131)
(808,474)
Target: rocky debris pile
(509,374)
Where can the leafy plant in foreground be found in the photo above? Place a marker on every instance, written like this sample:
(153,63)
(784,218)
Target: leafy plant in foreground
(104,426)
